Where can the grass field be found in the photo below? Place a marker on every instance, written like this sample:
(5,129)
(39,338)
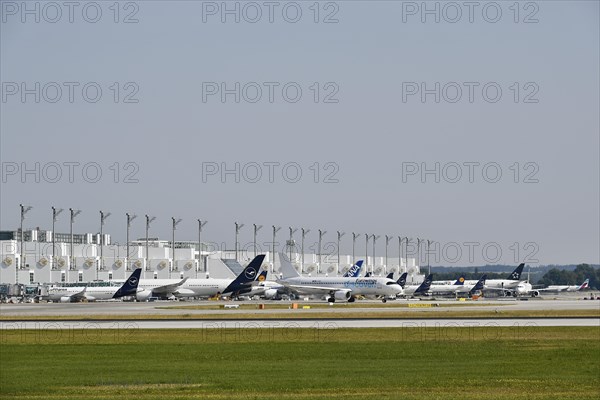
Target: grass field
(443,363)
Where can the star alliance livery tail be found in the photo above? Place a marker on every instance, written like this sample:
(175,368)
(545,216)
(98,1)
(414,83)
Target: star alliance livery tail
(354,270)
(516,274)
(402,280)
(130,286)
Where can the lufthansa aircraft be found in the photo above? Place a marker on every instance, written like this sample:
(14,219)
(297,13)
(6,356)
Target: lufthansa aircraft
(93,293)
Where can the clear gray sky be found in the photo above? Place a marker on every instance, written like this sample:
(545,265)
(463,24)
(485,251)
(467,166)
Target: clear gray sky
(397,93)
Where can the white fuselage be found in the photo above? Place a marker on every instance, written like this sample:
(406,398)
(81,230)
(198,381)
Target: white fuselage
(357,286)
(91,293)
(191,288)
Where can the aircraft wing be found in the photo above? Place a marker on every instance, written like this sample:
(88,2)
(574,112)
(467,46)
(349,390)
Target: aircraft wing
(79,296)
(168,289)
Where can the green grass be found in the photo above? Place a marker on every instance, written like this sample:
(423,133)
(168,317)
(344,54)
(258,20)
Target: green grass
(451,363)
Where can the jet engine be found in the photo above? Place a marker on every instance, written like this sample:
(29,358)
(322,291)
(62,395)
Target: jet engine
(343,295)
(270,293)
(143,295)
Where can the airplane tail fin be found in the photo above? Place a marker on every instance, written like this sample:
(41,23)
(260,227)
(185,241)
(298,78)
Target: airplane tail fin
(390,275)
(368,274)
(130,286)
(287,269)
(585,284)
(262,276)
(249,274)
(480,283)
(516,274)
(426,285)
(402,280)
(354,271)
(460,280)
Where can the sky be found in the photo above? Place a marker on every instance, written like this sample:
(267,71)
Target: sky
(475,126)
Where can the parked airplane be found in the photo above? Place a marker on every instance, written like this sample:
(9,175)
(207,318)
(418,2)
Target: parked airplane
(334,288)
(208,287)
(93,293)
(419,290)
(567,288)
(510,283)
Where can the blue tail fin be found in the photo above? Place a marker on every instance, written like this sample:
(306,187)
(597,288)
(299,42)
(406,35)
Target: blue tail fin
(402,280)
(354,270)
(516,274)
(426,285)
(130,286)
(368,274)
(390,275)
(480,283)
(460,280)
(248,275)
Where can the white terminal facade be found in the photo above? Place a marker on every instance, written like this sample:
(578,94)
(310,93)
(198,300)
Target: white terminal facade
(44,260)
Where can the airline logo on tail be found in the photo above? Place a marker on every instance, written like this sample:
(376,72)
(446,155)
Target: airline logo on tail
(262,277)
(130,286)
(354,270)
(585,284)
(516,274)
(402,280)
(480,283)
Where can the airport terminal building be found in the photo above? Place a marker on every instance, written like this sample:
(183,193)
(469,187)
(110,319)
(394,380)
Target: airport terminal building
(42,256)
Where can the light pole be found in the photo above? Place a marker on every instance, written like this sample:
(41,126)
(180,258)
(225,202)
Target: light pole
(200,259)
(256,229)
(367,251)
(129,219)
(399,254)
(24,210)
(339,234)
(275,230)
(103,216)
(354,236)
(304,232)
(175,223)
(428,265)
(238,226)
(374,241)
(292,231)
(419,252)
(321,233)
(407,239)
(74,213)
(149,219)
(387,241)
(55,213)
